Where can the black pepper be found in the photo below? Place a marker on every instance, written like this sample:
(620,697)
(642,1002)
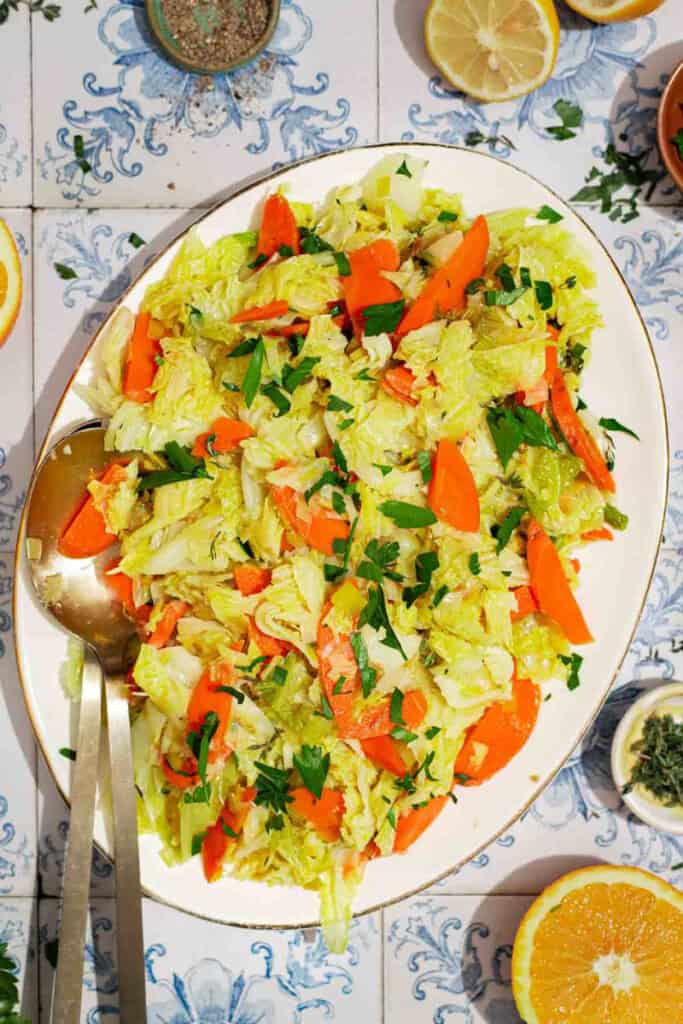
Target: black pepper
(218,32)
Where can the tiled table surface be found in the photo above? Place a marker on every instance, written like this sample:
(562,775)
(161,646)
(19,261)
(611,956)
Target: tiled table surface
(159,143)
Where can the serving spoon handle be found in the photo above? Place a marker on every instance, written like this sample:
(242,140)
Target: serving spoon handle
(129,939)
(68,987)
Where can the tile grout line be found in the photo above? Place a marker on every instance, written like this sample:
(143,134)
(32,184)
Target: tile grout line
(382,973)
(31,113)
(377,70)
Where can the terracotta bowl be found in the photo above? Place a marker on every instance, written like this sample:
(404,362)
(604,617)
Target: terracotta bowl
(669,122)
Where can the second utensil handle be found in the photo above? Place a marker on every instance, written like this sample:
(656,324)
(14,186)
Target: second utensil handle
(129,939)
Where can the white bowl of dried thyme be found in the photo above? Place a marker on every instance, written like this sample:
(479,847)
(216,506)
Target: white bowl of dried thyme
(647,758)
(215,37)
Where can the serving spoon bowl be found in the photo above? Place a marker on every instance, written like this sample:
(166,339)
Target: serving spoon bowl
(74,592)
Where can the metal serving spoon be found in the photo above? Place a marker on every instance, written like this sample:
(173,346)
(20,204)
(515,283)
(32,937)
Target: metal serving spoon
(74,592)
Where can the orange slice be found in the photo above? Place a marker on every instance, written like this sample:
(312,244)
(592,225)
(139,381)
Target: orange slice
(614,10)
(603,945)
(10,281)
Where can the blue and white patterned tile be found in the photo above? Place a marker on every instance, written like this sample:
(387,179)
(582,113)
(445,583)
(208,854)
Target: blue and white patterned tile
(199,972)
(447,958)
(95,246)
(615,73)
(18,786)
(18,932)
(16,410)
(15,110)
(147,126)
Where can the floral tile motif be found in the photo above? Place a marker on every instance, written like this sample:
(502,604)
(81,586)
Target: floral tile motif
(96,248)
(199,972)
(147,126)
(448,958)
(615,73)
(16,410)
(15,111)
(18,786)
(18,932)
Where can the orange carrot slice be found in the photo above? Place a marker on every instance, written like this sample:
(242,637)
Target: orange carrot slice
(376,720)
(278,227)
(226,434)
(251,579)
(385,753)
(365,286)
(169,619)
(121,586)
(444,292)
(217,839)
(550,586)
(578,438)
(602,534)
(526,603)
(207,696)
(318,529)
(271,646)
(86,533)
(410,826)
(452,494)
(399,382)
(141,361)
(499,734)
(271,311)
(324,814)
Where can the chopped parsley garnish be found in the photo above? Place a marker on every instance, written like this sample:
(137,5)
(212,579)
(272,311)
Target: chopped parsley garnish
(249,668)
(614,518)
(195,318)
(197,842)
(313,766)
(403,735)
(366,376)
(245,348)
(199,743)
(343,549)
(407,516)
(237,694)
(278,675)
(338,503)
(382,318)
(277,397)
(571,117)
(608,423)
(544,294)
(228,831)
(381,559)
(68,752)
(473,563)
(275,823)
(403,169)
(184,466)
(439,595)
(677,143)
(570,282)
(258,262)
(285,251)
(66,273)
(343,265)
(502,298)
(337,404)
(345,424)
(252,377)
(512,426)
(327,711)
(272,787)
(339,458)
(426,565)
(312,243)
(79,153)
(547,213)
(604,186)
(573,663)
(504,531)
(659,767)
(475,285)
(475,138)
(432,731)
(396,707)
(198,795)
(293,376)
(327,479)
(339,685)
(384,470)
(391,818)
(424,461)
(574,358)
(135,240)
(375,614)
(447,216)
(368,675)
(295,342)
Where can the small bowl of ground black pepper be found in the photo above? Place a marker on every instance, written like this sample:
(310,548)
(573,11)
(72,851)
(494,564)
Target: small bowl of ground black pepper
(647,758)
(209,37)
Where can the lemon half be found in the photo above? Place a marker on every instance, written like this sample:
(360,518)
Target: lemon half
(493,49)
(614,10)
(10,281)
